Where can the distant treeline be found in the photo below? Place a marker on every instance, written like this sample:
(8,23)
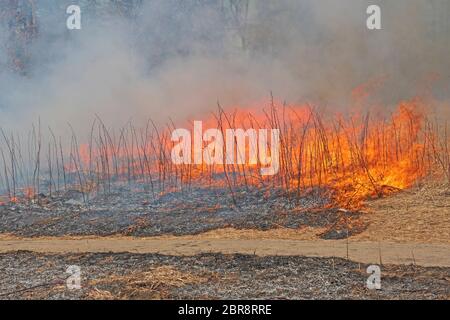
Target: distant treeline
(21,21)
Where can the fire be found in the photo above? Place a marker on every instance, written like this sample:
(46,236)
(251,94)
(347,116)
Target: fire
(347,158)
(352,158)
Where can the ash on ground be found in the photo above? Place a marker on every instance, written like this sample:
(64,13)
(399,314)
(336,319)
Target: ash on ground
(134,210)
(29,275)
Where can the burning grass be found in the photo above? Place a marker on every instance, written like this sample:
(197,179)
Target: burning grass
(347,158)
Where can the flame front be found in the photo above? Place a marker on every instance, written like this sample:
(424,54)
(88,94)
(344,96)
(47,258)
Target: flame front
(352,158)
(346,158)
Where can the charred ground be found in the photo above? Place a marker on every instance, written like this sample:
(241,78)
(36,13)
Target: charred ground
(133,211)
(211,276)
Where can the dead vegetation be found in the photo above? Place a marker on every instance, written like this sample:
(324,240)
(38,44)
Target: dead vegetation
(421,214)
(212,276)
(346,159)
(129,211)
(153,284)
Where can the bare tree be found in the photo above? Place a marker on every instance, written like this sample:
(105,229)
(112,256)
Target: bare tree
(20,18)
(238,11)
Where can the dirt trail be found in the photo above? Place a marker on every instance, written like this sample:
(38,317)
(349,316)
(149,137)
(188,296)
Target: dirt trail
(365,252)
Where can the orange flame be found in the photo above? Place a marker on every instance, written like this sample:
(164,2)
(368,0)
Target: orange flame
(353,157)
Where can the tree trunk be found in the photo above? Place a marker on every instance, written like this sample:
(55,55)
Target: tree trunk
(20,18)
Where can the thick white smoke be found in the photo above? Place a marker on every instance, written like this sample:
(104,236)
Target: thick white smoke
(177,58)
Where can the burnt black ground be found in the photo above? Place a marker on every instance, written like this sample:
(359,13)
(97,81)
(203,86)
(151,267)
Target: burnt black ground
(132,210)
(26,275)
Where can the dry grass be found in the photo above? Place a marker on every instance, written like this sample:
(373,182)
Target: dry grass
(153,284)
(418,215)
(351,158)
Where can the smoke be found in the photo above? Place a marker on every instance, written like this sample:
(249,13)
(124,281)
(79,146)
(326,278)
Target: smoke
(178,58)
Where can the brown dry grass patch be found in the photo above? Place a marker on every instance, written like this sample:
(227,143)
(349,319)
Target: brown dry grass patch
(153,284)
(421,214)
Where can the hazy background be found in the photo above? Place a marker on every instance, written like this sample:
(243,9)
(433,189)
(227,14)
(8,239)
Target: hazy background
(177,58)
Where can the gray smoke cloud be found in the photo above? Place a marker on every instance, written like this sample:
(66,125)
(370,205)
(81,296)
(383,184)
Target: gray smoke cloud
(177,58)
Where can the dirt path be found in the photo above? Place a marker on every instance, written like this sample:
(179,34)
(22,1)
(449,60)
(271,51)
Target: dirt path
(365,252)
